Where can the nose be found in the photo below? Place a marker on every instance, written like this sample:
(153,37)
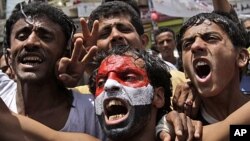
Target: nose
(32,41)
(116,36)
(199,45)
(112,85)
(165,43)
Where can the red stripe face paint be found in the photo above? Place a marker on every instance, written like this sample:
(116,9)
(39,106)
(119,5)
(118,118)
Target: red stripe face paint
(124,69)
(125,78)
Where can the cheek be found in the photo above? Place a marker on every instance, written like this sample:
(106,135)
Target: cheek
(102,43)
(136,42)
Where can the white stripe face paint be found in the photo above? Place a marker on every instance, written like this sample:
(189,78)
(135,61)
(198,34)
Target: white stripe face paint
(134,96)
(122,77)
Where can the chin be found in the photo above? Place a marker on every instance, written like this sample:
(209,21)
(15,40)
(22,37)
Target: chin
(137,120)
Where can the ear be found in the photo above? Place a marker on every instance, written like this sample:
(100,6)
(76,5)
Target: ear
(8,54)
(243,57)
(144,39)
(159,98)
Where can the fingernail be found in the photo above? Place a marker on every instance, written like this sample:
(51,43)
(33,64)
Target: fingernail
(197,135)
(179,132)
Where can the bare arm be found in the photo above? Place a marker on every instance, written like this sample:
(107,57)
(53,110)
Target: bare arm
(222,6)
(19,128)
(35,131)
(240,116)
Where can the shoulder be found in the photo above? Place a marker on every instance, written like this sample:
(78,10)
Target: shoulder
(177,77)
(7,85)
(84,89)
(170,66)
(85,100)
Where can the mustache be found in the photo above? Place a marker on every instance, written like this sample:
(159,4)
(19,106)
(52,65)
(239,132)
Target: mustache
(35,51)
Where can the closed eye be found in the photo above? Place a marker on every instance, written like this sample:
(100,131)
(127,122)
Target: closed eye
(103,34)
(124,29)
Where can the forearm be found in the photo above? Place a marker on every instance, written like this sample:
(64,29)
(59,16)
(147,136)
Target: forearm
(222,6)
(38,132)
(240,116)
(20,128)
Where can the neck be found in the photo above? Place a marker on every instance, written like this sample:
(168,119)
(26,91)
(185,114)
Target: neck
(37,97)
(226,102)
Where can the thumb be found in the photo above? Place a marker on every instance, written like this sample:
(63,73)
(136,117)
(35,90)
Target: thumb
(164,136)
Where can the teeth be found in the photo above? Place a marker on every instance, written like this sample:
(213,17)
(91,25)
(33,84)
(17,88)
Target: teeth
(200,63)
(115,117)
(32,58)
(113,102)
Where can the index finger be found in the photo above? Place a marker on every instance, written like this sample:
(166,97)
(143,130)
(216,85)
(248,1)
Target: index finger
(85,29)
(77,50)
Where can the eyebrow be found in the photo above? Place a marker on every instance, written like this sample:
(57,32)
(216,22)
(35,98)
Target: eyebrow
(199,35)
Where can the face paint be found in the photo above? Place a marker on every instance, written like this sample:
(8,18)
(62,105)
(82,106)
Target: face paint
(129,72)
(123,96)
(134,96)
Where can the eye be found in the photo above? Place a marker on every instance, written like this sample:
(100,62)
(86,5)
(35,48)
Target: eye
(100,82)
(130,77)
(186,44)
(22,36)
(103,34)
(211,37)
(45,35)
(124,28)
(161,43)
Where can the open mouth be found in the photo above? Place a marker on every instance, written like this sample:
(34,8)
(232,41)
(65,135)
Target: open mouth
(118,43)
(32,60)
(202,69)
(116,110)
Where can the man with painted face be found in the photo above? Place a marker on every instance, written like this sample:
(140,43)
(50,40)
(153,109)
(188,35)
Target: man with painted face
(132,91)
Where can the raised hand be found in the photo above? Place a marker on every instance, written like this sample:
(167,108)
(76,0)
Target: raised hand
(89,38)
(70,70)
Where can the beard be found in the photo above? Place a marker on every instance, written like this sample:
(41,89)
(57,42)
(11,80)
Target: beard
(137,120)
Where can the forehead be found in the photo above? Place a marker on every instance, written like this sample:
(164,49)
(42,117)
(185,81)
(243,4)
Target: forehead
(43,22)
(112,21)
(247,24)
(165,34)
(117,62)
(205,27)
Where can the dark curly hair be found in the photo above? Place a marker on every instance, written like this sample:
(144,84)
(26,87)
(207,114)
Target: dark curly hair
(163,29)
(227,24)
(38,9)
(116,9)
